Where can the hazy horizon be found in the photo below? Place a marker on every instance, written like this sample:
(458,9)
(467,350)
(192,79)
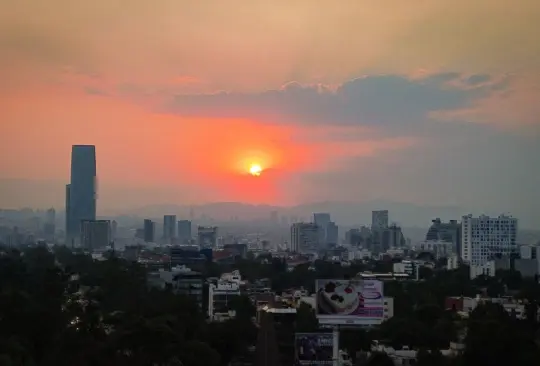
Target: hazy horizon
(432,104)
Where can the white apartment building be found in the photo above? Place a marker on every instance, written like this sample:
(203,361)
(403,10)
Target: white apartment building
(219,298)
(304,236)
(484,238)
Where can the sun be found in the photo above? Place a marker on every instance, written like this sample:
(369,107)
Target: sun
(255,170)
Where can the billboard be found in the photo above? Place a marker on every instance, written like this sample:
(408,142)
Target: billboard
(350,302)
(314,349)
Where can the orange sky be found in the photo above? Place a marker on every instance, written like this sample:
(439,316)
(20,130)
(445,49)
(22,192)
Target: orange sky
(104,72)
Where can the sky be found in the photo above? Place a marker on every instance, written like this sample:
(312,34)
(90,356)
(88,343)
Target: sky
(428,102)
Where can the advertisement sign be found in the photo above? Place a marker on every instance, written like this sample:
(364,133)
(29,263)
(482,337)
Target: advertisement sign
(314,349)
(350,302)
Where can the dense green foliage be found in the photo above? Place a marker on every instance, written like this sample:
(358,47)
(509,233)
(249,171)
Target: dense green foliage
(67,309)
(104,316)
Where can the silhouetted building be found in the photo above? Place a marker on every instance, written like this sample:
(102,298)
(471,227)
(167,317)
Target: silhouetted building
(267,350)
(207,236)
(237,249)
(445,231)
(95,234)
(184,232)
(354,237)
(379,219)
(114,229)
(276,338)
(304,237)
(149,231)
(186,255)
(169,227)
(81,192)
(49,228)
(332,233)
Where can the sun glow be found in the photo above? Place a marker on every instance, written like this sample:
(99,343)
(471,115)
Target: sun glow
(255,170)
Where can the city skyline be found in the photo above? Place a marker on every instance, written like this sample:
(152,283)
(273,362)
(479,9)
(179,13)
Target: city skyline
(349,103)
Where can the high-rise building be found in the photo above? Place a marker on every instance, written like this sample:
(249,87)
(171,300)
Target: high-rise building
(50,216)
(379,219)
(332,233)
(95,234)
(184,231)
(392,237)
(304,237)
(81,192)
(207,236)
(322,220)
(445,231)
(169,227)
(114,229)
(485,238)
(49,228)
(149,231)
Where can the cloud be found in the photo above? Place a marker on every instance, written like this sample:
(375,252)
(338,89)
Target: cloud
(255,45)
(375,101)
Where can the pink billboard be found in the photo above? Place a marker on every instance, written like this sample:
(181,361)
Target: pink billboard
(353,301)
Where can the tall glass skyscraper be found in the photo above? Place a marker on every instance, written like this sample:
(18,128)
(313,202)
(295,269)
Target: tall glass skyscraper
(81,192)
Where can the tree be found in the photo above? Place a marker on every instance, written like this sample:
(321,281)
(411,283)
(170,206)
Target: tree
(380,359)
(306,320)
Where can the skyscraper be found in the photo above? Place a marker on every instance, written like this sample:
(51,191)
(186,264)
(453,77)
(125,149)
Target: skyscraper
(81,192)
(169,227)
(322,220)
(149,231)
(379,219)
(95,234)
(184,231)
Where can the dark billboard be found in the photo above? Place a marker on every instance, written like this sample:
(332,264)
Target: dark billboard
(314,349)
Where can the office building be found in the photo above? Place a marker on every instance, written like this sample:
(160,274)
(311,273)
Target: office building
(392,237)
(169,227)
(445,231)
(379,219)
(50,216)
(332,233)
(114,229)
(183,255)
(322,220)
(49,228)
(485,238)
(81,192)
(149,231)
(184,232)
(95,234)
(207,236)
(304,237)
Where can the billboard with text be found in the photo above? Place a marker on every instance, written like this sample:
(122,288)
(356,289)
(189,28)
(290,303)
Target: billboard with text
(314,349)
(350,302)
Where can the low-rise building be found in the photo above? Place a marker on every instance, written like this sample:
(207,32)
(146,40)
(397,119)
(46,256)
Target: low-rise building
(465,305)
(409,267)
(220,295)
(182,280)
(439,248)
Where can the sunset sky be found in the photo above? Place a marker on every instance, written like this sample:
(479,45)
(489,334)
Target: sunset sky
(431,102)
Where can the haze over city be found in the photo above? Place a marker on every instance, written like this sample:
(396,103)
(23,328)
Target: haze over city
(435,104)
